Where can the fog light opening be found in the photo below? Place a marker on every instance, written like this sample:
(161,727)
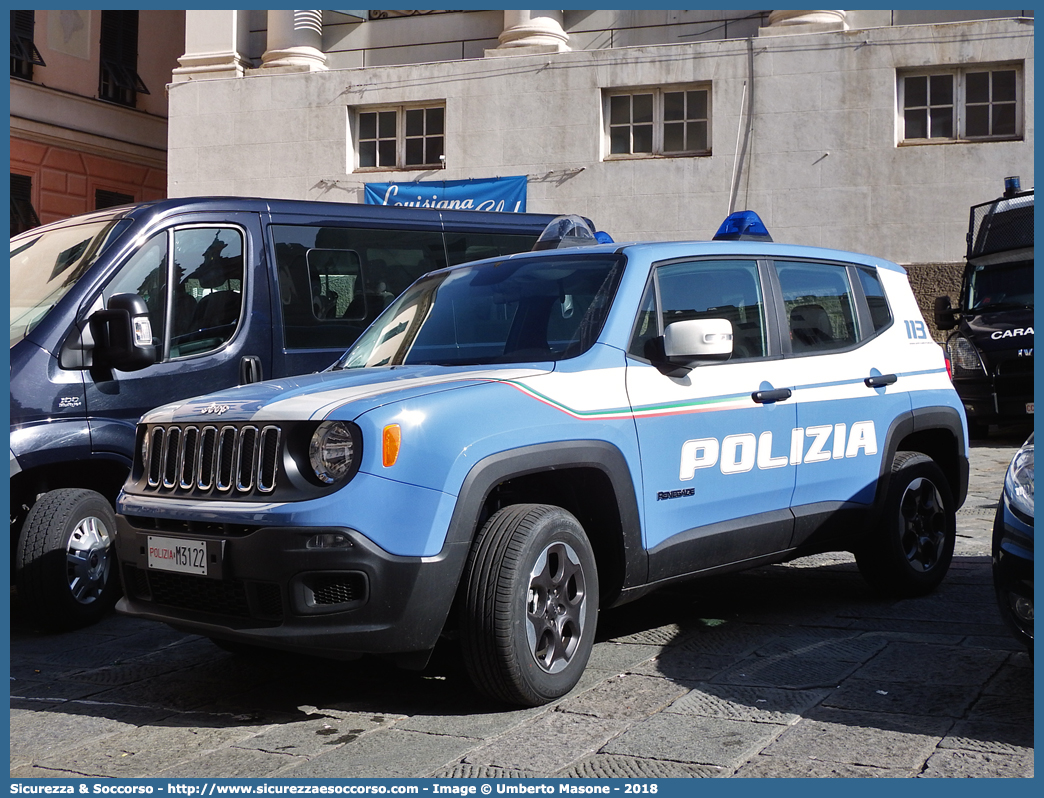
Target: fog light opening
(1023,607)
(328,540)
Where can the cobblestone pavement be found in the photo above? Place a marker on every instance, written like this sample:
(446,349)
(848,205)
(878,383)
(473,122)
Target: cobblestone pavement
(790,670)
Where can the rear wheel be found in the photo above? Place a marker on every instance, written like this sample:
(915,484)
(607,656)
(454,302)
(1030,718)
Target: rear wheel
(529,605)
(66,560)
(910,551)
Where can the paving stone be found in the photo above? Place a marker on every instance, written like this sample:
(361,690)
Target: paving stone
(989,736)
(708,741)
(462,771)
(685,667)
(36,772)
(965,764)
(932,664)
(730,639)
(35,736)
(1016,709)
(231,762)
(928,699)
(625,696)
(952,629)
(58,691)
(775,767)
(388,753)
(759,704)
(173,692)
(143,752)
(312,737)
(1012,679)
(669,635)
(861,738)
(547,743)
(459,721)
(615,656)
(606,766)
(840,646)
(798,673)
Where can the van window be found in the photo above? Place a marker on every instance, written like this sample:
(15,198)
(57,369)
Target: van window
(207,296)
(333,281)
(198,310)
(464,246)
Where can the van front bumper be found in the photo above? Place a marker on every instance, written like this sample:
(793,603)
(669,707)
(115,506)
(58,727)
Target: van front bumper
(326,591)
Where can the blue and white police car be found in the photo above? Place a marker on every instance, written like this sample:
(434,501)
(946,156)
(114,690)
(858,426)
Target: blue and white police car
(517,442)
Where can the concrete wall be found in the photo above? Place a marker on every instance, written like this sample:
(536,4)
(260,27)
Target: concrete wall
(821,166)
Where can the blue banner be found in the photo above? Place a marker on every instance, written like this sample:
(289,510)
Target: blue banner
(484,194)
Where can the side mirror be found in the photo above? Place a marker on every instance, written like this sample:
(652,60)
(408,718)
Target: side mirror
(123,334)
(688,342)
(944,314)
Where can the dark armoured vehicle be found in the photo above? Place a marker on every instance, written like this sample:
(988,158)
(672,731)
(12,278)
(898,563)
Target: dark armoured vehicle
(990,347)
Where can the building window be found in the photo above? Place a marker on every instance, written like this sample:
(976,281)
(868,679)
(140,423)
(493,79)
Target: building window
(23,214)
(110,199)
(667,121)
(24,55)
(119,81)
(402,138)
(966,104)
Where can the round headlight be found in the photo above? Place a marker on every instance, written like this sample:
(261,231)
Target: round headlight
(331,451)
(962,354)
(1018,482)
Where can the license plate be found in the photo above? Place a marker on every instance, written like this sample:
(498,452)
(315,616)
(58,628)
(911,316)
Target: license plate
(1029,408)
(175,554)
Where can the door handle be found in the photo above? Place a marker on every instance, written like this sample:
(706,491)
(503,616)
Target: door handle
(768,397)
(880,380)
(250,369)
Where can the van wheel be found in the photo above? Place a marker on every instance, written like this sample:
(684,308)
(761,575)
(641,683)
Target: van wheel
(529,605)
(910,551)
(66,559)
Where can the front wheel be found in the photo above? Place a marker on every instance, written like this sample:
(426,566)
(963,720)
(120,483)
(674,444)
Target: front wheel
(910,551)
(66,559)
(529,605)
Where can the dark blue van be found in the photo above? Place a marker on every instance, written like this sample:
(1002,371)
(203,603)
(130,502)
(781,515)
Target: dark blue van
(116,312)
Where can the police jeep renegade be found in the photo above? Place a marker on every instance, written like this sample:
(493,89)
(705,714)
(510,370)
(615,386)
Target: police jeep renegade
(517,442)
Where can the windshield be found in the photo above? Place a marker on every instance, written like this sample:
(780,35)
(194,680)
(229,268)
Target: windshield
(513,311)
(46,264)
(1001,286)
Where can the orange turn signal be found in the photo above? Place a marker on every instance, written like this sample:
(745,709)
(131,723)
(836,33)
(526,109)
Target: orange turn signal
(392,441)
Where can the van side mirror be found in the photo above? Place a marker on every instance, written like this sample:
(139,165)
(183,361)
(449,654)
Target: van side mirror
(695,340)
(123,334)
(944,314)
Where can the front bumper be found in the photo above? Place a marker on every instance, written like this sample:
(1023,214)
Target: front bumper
(1000,398)
(268,587)
(1013,572)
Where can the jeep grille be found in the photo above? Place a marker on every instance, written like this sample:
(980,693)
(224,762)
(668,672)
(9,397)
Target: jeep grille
(227,460)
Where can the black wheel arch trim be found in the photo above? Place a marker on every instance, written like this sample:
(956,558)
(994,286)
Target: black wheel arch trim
(926,419)
(513,463)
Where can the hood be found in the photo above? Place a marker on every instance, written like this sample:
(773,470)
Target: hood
(1000,330)
(350,393)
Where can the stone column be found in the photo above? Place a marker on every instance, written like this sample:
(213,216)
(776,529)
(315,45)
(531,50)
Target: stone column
(782,22)
(295,41)
(531,32)
(214,45)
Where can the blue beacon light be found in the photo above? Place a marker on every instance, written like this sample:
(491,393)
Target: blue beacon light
(743,226)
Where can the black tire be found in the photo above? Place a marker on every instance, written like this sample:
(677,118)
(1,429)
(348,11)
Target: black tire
(66,570)
(529,605)
(910,551)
